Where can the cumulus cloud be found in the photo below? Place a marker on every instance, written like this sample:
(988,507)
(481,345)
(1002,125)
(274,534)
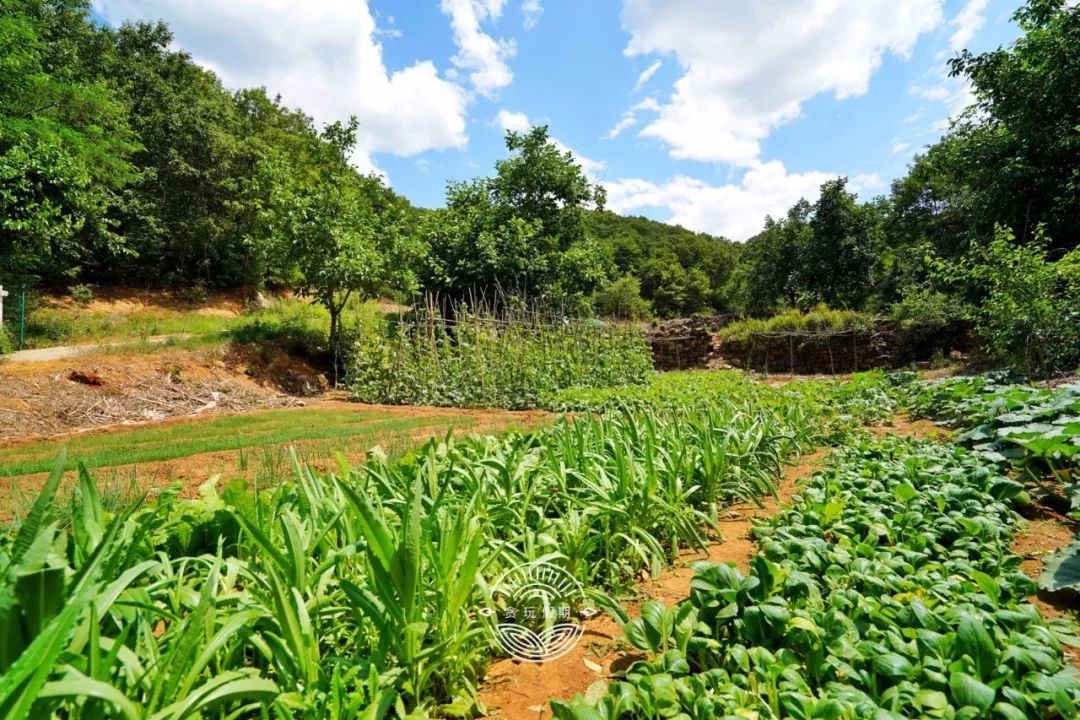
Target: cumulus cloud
(748,66)
(630,117)
(866,184)
(646,76)
(322,57)
(970,20)
(532,10)
(736,211)
(520,122)
(516,121)
(483,57)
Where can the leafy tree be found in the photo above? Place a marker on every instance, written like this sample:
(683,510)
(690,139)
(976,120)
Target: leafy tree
(521,233)
(767,276)
(64,142)
(1013,158)
(181,213)
(680,272)
(1029,312)
(820,253)
(621,299)
(342,230)
(1022,138)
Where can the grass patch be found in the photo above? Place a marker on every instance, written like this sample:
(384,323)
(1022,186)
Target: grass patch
(819,320)
(249,433)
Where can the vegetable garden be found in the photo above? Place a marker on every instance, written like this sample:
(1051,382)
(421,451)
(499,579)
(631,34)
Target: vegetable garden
(887,589)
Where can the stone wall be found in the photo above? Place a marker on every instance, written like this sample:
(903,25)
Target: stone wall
(687,342)
(692,343)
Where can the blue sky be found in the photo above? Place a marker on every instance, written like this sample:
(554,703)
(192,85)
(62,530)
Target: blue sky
(708,113)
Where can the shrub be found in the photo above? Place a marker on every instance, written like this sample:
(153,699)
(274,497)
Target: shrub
(621,299)
(7,344)
(1030,314)
(479,360)
(927,308)
(82,294)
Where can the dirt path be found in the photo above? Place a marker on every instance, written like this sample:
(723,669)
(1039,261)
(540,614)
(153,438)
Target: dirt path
(521,691)
(63,352)
(1040,537)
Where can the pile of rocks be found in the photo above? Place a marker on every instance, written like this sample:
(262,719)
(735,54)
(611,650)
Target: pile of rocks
(686,342)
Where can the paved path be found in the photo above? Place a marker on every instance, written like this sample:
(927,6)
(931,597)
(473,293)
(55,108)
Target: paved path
(61,352)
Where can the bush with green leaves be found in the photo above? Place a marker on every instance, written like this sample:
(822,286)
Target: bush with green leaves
(888,591)
(621,299)
(1028,311)
(514,360)
(7,344)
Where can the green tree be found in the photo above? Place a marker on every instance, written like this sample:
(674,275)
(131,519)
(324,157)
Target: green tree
(64,142)
(342,230)
(621,299)
(680,272)
(521,233)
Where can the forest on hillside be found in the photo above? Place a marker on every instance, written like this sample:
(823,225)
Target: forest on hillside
(122,161)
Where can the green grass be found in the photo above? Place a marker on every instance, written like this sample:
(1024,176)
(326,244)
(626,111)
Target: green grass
(818,320)
(250,433)
(297,322)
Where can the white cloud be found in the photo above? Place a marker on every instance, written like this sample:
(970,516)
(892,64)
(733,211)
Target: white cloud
(899,148)
(646,76)
(955,93)
(516,121)
(479,54)
(532,10)
(749,66)
(321,57)
(970,20)
(629,118)
(520,122)
(866,184)
(736,211)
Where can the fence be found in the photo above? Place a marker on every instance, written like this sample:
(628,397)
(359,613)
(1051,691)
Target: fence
(20,313)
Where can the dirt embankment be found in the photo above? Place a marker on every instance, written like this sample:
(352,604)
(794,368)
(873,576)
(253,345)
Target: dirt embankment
(44,399)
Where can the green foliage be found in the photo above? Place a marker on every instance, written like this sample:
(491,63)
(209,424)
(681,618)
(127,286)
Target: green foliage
(820,253)
(1035,431)
(342,231)
(621,299)
(510,360)
(64,144)
(820,319)
(888,590)
(924,307)
(82,294)
(7,343)
(1029,316)
(679,272)
(521,233)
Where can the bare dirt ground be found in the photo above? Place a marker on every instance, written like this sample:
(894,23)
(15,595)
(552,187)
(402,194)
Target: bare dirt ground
(45,399)
(1041,536)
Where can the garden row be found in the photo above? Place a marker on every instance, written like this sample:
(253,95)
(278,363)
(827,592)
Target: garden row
(887,591)
(1031,431)
(357,593)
